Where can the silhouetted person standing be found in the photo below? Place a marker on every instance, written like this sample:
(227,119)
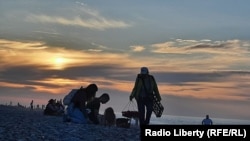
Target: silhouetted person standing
(31,105)
(144,89)
(207,121)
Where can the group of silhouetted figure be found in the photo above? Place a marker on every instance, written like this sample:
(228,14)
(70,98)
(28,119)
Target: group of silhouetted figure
(82,105)
(54,108)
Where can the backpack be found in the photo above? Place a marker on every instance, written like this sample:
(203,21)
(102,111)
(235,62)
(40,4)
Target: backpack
(69,96)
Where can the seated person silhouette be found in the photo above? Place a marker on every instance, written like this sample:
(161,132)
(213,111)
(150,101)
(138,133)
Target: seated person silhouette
(52,108)
(109,117)
(94,106)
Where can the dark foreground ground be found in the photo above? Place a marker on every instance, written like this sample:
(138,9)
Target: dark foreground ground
(21,124)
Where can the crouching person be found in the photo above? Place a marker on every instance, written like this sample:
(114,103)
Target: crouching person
(94,107)
(76,110)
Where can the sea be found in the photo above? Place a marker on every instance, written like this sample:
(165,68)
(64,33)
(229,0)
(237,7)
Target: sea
(188,120)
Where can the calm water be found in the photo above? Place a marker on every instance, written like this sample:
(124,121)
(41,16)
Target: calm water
(182,120)
(185,120)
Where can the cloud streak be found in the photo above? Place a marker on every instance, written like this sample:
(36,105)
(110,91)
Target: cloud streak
(205,54)
(179,46)
(98,23)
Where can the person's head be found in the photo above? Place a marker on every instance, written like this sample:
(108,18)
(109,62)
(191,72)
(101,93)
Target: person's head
(104,98)
(144,70)
(207,116)
(51,101)
(91,90)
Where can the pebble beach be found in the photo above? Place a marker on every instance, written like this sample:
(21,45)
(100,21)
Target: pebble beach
(23,124)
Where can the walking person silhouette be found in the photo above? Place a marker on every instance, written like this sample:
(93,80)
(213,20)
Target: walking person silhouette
(144,90)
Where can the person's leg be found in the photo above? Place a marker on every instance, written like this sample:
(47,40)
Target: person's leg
(75,115)
(141,110)
(93,118)
(149,107)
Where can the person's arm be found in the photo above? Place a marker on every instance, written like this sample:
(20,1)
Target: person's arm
(83,105)
(155,89)
(204,121)
(132,95)
(79,100)
(96,106)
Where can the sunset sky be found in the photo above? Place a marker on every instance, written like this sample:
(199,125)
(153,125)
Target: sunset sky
(198,52)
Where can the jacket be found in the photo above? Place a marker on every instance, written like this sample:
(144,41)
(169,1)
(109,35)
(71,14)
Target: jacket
(139,84)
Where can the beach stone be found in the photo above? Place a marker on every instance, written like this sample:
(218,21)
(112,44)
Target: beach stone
(21,124)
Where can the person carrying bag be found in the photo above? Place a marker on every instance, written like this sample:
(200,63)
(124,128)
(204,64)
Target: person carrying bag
(147,95)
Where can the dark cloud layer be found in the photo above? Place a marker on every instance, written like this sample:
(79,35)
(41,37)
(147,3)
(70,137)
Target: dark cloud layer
(23,74)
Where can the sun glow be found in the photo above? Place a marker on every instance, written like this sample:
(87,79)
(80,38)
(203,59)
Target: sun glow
(59,62)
